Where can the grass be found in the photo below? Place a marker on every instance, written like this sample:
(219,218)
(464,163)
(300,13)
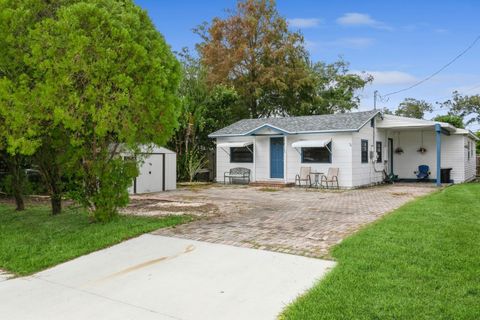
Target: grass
(420,262)
(34,240)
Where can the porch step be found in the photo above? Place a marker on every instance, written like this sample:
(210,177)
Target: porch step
(272,184)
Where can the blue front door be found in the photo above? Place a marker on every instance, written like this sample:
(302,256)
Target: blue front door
(276,158)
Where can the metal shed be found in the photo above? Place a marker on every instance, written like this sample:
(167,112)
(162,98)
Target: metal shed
(158,172)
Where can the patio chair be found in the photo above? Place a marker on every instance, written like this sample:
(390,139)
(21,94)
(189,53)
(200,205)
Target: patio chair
(331,177)
(423,172)
(304,176)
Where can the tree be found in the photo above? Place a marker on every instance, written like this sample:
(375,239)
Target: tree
(193,93)
(16,177)
(387,111)
(413,108)
(464,106)
(478,142)
(204,110)
(454,120)
(102,81)
(222,109)
(331,89)
(253,51)
(19,133)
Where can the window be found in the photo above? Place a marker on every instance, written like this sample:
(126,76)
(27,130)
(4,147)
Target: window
(372,122)
(379,152)
(242,154)
(364,151)
(468,149)
(317,155)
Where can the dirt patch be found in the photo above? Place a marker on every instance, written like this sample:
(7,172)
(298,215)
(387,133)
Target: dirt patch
(32,200)
(159,207)
(269,189)
(400,194)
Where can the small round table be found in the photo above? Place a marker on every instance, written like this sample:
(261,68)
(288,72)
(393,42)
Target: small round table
(316,182)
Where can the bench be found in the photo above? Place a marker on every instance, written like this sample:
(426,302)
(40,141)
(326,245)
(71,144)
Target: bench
(237,174)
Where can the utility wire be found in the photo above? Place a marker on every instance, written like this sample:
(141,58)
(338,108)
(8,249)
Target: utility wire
(436,72)
(472,88)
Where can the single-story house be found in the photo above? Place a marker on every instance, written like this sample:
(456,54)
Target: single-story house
(363,145)
(157,171)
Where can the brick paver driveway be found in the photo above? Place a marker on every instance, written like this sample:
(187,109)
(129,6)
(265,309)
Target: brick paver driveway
(298,221)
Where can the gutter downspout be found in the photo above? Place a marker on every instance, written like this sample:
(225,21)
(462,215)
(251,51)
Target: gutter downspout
(254,178)
(438,132)
(285,166)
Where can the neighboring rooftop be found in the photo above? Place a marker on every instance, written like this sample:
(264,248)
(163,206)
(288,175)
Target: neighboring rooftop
(352,121)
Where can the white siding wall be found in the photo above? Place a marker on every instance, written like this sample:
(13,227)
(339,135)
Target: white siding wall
(262,158)
(370,172)
(170,171)
(406,163)
(470,163)
(341,157)
(453,154)
(223,158)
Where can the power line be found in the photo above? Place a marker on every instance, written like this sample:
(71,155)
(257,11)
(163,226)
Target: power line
(472,88)
(438,71)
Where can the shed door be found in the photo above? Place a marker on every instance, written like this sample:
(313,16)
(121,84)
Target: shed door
(276,158)
(151,175)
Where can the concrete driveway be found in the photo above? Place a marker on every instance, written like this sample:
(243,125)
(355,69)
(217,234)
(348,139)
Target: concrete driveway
(156,277)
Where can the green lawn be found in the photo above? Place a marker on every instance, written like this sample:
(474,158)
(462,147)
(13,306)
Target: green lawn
(34,240)
(420,262)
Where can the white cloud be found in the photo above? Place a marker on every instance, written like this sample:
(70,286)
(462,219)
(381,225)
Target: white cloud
(441,31)
(350,43)
(304,22)
(355,42)
(361,19)
(390,77)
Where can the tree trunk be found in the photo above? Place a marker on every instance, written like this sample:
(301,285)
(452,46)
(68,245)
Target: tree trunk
(17,183)
(15,169)
(56,200)
(47,162)
(55,190)
(20,204)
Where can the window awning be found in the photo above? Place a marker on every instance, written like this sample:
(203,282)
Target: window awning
(234,144)
(237,144)
(311,144)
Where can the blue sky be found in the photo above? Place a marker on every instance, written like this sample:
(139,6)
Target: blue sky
(399,42)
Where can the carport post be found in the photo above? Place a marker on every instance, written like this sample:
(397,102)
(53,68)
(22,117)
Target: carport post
(438,132)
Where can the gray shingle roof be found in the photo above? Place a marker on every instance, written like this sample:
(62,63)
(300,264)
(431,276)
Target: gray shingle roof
(330,122)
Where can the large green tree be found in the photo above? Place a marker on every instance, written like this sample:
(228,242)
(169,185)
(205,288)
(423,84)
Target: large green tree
(331,88)
(203,110)
(99,80)
(465,106)
(253,50)
(20,132)
(452,119)
(413,108)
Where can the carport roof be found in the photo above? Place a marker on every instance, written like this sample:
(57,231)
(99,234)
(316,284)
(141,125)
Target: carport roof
(403,123)
(352,121)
